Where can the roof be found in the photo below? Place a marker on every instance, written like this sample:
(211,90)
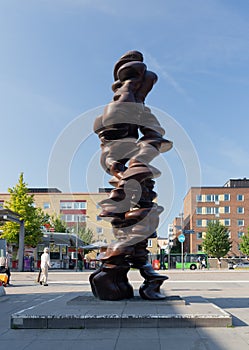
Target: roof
(61,238)
(9,215)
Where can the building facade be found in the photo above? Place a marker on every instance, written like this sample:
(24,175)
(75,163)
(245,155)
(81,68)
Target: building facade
(76,210)
(229,204)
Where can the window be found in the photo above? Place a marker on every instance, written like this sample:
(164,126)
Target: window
(73,218)
(209,221)
(82,218)
(199,235)
(227,222)
(199,210)
(212,198)
(149,243)
(226,197)
(65,205)
(67,218)
(199,223)
(73,205)
(240,210)
(209,210)
(198,198)
(98,218)
(240,222)
(208,198)
(240,197)
(199,248)
(240,234)
(46,205)
(79,205)
(226,210)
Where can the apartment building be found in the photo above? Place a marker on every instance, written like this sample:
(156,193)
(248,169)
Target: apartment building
(229,204)
(76,210)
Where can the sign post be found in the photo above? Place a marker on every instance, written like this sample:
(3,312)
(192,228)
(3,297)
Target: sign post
(181,239)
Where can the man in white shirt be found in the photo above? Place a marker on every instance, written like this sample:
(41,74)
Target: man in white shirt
(45,264)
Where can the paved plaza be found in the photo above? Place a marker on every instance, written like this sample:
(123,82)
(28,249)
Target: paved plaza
(227,290)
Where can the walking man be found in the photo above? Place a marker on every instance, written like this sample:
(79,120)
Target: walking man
(45,264)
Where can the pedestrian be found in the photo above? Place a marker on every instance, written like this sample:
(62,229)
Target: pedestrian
(80,261)
(88,260)
(45,264)
(203,264)
(5,267)
(199,262)
(219,263)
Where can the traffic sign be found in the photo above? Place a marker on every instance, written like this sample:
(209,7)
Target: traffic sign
(181,238)
(188,231)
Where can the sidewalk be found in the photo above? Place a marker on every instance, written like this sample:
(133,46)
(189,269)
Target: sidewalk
(69,293)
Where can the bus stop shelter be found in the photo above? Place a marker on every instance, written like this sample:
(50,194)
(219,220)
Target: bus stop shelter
(9,215)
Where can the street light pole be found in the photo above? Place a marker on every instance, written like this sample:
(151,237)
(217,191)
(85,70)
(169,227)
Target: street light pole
(77,232)
(181,215)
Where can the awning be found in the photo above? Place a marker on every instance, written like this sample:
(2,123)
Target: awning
(61,238)
(95,245)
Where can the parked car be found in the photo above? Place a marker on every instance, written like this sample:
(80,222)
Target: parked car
(242,265)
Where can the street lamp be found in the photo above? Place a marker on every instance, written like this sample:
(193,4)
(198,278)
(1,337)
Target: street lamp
(182,239)
(76,243)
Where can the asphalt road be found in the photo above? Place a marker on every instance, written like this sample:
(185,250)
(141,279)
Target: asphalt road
(227,289)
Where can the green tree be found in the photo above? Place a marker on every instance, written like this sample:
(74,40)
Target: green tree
(86,234)
(176,248)
(58,224)
(216,242)
(23,204)
(244,245)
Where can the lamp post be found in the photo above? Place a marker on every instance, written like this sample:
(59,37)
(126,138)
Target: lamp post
(76,243)
(182,239)
(170,246)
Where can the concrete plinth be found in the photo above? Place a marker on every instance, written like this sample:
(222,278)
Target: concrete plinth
(85,311)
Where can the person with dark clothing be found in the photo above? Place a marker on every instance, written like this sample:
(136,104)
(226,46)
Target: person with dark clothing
(5,266)
(80,261)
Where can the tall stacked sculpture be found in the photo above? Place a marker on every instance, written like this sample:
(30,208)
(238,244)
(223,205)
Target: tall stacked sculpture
(131,137)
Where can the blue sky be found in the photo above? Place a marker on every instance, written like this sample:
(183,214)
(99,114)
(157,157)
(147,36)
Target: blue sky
(56,67)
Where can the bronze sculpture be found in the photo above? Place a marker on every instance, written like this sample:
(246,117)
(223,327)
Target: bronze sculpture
(131,137)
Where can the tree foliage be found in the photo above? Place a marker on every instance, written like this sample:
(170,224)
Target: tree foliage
(244,245)
(176,248)
(58,224)
(86,234)
(216,242)
(22,203)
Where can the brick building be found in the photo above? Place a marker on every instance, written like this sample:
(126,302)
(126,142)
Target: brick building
(229,204)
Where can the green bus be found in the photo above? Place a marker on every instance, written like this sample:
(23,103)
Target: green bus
(191,261)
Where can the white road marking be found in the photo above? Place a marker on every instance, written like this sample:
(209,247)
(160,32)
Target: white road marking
(39,304)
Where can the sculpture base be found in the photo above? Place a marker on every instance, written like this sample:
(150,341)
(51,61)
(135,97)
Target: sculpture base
(85,311)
